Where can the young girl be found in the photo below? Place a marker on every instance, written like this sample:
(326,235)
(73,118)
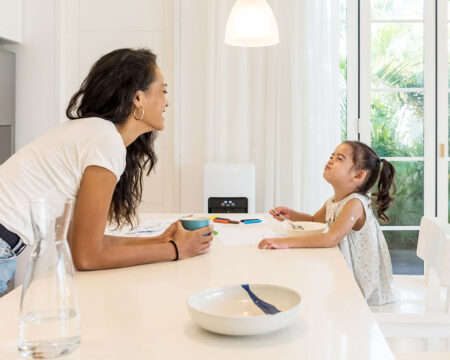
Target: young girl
(353,169)
(98,159)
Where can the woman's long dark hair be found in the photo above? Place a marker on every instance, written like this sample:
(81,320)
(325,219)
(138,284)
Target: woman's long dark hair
(108,93)
(366,159)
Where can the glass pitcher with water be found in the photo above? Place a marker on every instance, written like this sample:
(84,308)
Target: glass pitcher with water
(49,322)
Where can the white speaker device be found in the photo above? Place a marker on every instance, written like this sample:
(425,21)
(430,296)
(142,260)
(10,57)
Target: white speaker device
(229,188)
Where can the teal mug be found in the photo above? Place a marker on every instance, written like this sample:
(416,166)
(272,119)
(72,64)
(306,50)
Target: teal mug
(194,222)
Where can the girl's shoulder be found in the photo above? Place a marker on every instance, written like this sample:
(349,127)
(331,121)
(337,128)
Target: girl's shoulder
(339,205)
(364,198)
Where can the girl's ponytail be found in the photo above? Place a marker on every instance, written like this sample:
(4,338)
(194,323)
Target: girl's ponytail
(365,158)
(384,198)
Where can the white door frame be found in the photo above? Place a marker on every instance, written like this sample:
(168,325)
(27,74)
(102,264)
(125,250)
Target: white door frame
(442,110)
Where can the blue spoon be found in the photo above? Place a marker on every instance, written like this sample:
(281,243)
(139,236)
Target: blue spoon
(266,307)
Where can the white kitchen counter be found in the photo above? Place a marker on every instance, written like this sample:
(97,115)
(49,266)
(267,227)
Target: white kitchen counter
(140,312)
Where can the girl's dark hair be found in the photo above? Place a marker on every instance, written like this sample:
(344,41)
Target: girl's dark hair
(366,159)
(107,93)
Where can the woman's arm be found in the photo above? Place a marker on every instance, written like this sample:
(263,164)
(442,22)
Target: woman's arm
(134,240)
(352,216)
(91,250)
(168,235)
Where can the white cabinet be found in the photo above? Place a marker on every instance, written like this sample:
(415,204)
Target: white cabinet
(11,20)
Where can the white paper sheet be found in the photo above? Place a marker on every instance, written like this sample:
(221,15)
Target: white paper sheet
(148,228)
(242,234)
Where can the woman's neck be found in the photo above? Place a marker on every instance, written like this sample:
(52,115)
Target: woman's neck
(130,130)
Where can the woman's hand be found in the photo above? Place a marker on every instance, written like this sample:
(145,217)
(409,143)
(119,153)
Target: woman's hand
(169,233)
(281,210)
(274,243)
(192,242)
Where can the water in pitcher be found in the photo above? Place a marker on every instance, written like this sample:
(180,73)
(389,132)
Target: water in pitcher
(45,335)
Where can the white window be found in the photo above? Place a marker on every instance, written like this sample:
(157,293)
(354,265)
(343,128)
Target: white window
(394,97)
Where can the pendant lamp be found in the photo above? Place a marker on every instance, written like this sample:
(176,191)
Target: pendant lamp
(251,23)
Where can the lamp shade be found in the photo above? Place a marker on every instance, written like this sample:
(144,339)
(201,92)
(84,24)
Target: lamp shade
(251,23)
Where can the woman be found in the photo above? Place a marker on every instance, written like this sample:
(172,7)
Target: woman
(99,159)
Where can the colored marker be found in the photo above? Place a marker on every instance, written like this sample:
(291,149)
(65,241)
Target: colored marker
(225,221)
(222,221)
(255,221)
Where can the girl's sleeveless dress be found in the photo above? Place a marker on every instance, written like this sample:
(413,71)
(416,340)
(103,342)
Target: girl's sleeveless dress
(366,253)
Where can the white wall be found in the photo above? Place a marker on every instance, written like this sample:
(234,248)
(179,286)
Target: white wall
(38,80)
(95,27)
(191,81)
(61,40)
(37,97)
(11,20)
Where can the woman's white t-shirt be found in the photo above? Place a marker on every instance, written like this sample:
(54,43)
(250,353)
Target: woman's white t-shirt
(52,166)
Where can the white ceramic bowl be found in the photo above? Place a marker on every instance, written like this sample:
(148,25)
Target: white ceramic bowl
(229,310)
(309,226)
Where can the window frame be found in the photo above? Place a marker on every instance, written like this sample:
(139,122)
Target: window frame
(442,86)
(359,94)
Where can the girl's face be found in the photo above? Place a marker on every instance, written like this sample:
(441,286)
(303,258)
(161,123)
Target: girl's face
(154,102)
(339,170)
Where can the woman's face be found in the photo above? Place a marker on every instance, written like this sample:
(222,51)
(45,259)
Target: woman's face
(154,102)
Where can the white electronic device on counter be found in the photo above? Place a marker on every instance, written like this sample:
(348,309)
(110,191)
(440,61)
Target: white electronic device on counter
(229,188)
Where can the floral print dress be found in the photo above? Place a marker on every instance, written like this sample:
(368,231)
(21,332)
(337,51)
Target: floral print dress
(366,253)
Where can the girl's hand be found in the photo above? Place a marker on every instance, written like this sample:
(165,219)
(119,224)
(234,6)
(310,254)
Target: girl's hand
(274,243)
(192,242)
(281,210)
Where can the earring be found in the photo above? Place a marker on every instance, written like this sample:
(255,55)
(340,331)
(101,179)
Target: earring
(134,114)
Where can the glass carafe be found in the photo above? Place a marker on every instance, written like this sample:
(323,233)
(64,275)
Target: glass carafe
(49,322)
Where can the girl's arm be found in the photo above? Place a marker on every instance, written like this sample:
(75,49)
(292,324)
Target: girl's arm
(319,216)
(90,248)
(352,216)
(293,215)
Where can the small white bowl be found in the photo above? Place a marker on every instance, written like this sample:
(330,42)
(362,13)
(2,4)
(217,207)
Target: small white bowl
(309,227)
(229,310)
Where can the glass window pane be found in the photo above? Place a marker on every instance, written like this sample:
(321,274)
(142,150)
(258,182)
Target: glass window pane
(343,68)
(396,55)
(343,10)
(402,247)
(407,208)
(397,9)
(397,123)
(448,56)
(343,56)
(343,114)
